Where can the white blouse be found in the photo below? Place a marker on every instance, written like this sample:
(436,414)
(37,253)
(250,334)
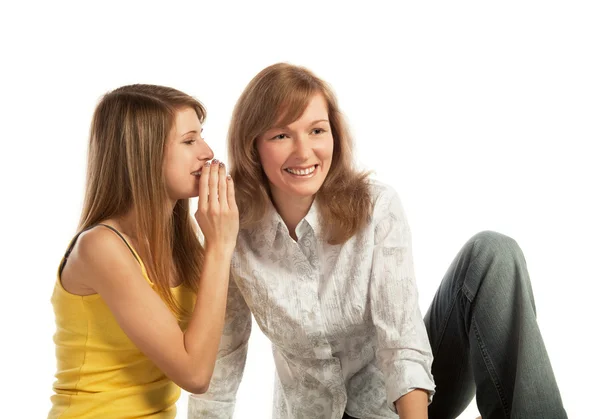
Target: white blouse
(344,320)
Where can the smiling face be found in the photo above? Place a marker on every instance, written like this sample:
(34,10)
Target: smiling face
(185,154)
(296,158)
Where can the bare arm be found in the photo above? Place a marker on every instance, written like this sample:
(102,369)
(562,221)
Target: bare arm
(413,405)
(219,401)
(186,358)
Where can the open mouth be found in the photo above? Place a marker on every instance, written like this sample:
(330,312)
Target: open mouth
(197,173)
(302,171)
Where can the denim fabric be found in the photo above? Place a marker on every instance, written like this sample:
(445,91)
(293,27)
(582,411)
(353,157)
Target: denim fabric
(485,339)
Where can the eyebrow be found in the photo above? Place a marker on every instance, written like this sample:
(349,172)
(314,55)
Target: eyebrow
(312,123)
(191,132)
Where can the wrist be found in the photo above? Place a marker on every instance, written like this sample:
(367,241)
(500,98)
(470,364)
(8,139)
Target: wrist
(218,251)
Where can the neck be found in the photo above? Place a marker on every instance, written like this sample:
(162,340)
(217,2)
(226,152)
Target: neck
(126,223)
(292,210)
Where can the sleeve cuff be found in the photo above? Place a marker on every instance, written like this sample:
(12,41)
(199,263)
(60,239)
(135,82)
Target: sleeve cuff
(405,376)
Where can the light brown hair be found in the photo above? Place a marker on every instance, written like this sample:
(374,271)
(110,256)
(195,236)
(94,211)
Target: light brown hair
(128,136)
(279,94)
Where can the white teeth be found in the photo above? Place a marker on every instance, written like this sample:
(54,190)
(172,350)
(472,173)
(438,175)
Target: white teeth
(301,172)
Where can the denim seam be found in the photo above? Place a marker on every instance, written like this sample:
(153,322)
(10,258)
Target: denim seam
(491,370)
(445,323)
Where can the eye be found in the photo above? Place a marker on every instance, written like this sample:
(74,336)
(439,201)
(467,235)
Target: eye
(279,137)
(190,141)
(318,131)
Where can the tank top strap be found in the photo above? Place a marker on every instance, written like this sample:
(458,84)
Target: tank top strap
(74,240)
(133,252)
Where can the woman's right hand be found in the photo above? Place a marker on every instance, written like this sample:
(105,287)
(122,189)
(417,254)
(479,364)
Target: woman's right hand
(217,213)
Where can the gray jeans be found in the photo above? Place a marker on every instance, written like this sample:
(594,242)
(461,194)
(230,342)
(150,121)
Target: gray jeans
(485,339)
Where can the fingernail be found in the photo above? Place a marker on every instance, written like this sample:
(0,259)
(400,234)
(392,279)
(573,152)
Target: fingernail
(215,161)
(221,164)
(228,177)
(207,164)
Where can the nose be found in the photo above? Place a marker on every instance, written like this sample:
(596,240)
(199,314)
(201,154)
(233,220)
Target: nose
(302,148)
(205,152)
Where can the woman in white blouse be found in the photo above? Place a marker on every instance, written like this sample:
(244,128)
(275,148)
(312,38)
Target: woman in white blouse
(324,263)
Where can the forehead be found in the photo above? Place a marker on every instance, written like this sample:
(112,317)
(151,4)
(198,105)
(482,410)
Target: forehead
(186,119)
(316,109)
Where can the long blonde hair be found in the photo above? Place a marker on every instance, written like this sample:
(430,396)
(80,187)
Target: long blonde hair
(344,200)
(128,135)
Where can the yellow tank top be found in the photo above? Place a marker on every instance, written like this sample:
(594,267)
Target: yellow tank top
(100,372)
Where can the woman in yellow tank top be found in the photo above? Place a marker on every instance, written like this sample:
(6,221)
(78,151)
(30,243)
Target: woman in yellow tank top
(139,302)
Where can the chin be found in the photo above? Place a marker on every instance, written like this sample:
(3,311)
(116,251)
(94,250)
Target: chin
(304,192)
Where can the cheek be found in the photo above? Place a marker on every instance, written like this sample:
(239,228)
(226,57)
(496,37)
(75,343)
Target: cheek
(325,150)
(270,159)
(174,169)
(330,149)
(169,176)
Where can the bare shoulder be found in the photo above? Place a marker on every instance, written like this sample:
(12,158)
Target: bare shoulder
(100,244)
(98,254)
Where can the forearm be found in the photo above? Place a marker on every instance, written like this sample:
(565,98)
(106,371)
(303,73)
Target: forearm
(203,335)
(413,405)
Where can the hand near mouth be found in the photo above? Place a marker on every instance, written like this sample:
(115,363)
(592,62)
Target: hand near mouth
(217,213)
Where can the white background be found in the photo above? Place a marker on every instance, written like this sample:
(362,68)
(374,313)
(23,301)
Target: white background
(482,117)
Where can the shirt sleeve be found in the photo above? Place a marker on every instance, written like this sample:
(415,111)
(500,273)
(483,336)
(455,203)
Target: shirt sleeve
(403,350)
(219,401)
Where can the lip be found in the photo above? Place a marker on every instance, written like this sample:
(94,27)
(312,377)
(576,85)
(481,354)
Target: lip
(302,177)
(301,168)
(198,170)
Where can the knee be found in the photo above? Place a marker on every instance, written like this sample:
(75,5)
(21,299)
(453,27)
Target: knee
(499,263)
(496,246)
